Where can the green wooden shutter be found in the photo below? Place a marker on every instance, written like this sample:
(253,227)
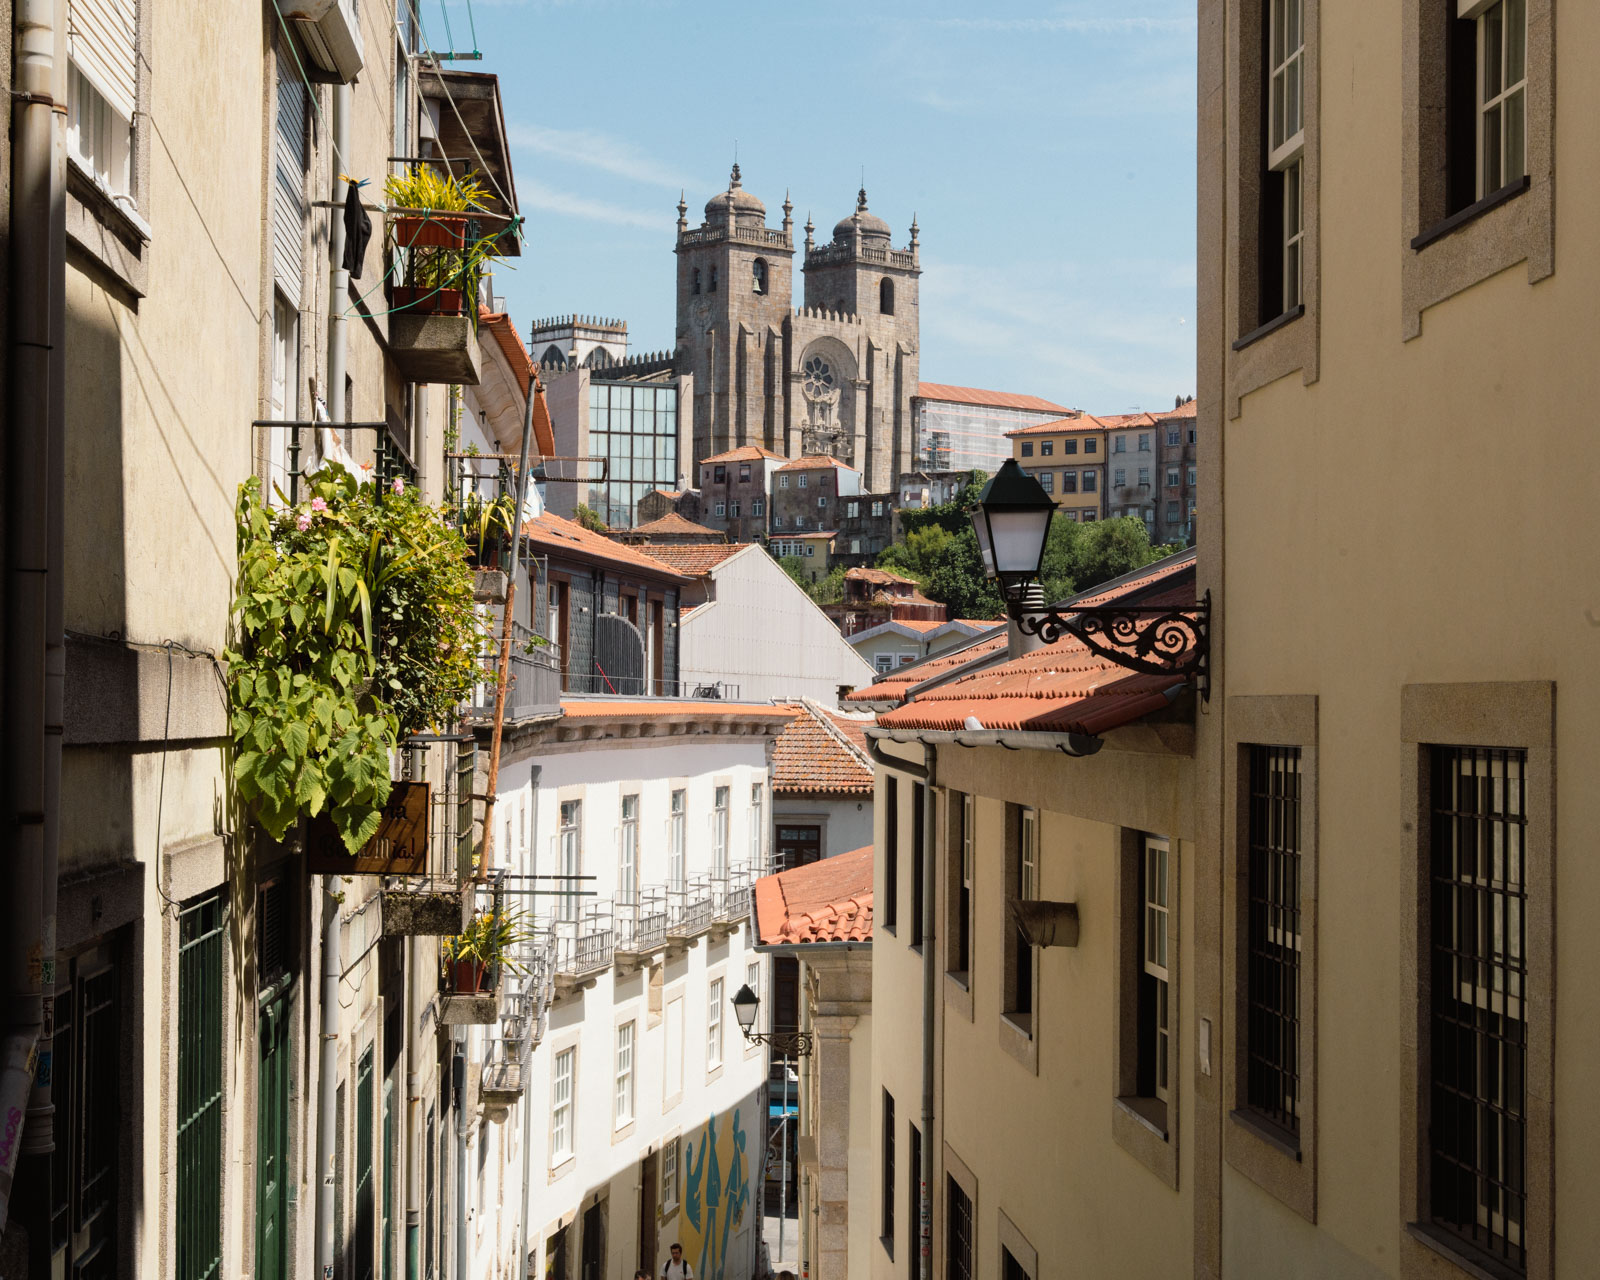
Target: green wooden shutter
(198,1211)
(272,1144)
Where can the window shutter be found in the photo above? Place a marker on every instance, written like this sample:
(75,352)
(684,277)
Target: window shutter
(104,46)
(289,182)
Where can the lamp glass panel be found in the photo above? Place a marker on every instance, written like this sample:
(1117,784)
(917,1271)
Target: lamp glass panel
(980,526)
(1018,538)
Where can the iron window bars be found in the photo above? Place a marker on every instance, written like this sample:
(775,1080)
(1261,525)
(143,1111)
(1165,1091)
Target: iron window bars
(1477,1175)
(1273,953)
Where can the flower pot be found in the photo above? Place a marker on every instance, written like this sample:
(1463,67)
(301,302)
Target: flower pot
(436,231)
(428,302)
(469,976)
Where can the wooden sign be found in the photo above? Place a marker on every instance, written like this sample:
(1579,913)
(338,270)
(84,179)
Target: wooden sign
(400,847)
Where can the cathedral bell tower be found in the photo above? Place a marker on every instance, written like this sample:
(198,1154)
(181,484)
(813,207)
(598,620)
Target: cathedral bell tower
(734,290)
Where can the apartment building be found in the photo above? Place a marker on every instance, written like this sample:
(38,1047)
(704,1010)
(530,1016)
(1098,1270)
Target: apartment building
(736,489)
(1067,456)
(635,828)
(808,494)
(964,428)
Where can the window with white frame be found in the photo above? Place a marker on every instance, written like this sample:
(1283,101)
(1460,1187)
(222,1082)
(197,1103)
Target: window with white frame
(1502,114)
(1172,435)
(822,502)
(1119,477)
(628,852)
(1172,477)
(570,837)
(783,482)
(757,832)
(714,1026)
(1144,442)
(722,508)
(624,1077)
(758,507)
(719,833)
(884,662)
(102,90)
(668,1176)
(1091,481)
(1047,481)
(1069,482)
(733,510)
(853,509)
(1191,477)
(1286,138)
(801,481)
(676,833)
(561,1117)
(1144,477)
(1119,444)
(1155,1017)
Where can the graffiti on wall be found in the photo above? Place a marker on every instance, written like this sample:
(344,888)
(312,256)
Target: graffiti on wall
(716,1194)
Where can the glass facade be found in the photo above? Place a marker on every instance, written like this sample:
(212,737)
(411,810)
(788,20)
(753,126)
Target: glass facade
(635,428)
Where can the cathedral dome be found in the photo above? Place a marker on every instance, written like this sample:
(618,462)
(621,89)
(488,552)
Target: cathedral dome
(872,226)
(735,201)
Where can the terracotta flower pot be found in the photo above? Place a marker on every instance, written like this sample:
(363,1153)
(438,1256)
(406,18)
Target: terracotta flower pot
(429,302)
(469,976)
(437,231)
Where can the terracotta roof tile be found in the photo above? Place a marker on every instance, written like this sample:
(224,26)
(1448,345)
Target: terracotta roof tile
(816,462)
(511,346)
(744,453)
(1187,410)
(696,558)
(881,577)
(826,901)
(1078,422)
(1126,421)
(818,752)
(673,523)
(566,537)
(991,399)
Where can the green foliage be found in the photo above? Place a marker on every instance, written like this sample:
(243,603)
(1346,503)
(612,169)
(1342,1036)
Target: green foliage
(590,519)
(423,186)
(354,626)
(484,524)
(825,590)
(952,516)
(489,939)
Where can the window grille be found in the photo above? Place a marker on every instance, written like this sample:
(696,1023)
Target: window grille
(272,934)
(886,1233)
(958,1254)
(1479,1033)
(198,1211)
(365,1226)
(1272,982)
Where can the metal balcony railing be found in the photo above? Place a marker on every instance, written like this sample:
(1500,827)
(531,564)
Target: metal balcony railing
(642,922)
(525,1020)
(533,685)
(599,684)
(588,945)
(691,910)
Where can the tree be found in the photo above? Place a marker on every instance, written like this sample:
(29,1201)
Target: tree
(827,590)
(590,519)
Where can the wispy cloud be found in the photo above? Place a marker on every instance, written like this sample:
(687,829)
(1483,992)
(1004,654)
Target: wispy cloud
(598,151)
(1076,26)
(535,195)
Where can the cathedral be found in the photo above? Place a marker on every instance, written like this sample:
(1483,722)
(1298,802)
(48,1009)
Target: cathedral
(833,376)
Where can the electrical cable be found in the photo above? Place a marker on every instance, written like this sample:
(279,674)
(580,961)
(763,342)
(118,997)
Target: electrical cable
(471,22)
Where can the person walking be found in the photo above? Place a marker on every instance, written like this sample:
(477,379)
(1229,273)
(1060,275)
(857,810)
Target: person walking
(677,1266)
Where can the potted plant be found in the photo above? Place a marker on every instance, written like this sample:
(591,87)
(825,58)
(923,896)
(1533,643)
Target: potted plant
(429,224)
(486,943)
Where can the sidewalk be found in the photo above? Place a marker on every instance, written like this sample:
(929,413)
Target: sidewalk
(790,1259)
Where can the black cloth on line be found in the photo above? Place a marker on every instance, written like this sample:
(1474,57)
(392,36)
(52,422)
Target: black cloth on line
(357,231)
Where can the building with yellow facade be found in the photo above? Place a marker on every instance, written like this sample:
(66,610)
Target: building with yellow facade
(1067,456)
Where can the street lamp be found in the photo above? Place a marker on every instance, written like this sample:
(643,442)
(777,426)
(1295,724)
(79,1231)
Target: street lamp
(1012,524)
(789,1044)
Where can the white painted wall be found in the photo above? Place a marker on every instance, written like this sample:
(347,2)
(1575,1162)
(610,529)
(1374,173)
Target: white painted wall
(761,632)
(846,822)
(677,1091)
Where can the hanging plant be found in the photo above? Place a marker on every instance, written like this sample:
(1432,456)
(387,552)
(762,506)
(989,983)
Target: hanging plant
(354,626)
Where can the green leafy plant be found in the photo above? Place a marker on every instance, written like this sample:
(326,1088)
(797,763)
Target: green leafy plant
(484,521)
(490,939)
(434,266)
(354,626)
(423,186)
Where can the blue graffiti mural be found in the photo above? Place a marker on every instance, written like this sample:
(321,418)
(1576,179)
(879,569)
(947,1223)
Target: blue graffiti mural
(714,1206)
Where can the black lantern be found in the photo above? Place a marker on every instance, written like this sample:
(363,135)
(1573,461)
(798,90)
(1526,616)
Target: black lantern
(745,1003)
(1012,521)
(788,1044)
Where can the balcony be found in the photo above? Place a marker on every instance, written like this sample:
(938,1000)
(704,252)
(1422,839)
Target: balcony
(641,924)
(533,685)
(522,1025)
(438,261)
(691,911)
(584,949)
(599,684)
(465,1002)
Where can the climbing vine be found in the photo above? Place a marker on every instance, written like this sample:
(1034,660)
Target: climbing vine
(354,626)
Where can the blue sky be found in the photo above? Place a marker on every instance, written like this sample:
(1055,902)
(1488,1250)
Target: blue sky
(1047,152)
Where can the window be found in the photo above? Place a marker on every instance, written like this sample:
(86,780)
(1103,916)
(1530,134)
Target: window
(758,507)
(758,831)
(285,383)
(1047,481)
(561,1106)
(628,852)
(877,508)
(958,860)
(1478,1033)
(1091,481)
(1119,445)
(1144,442)
(201,938)
(719,474)
(1022,883)
(1191,477)
(571,843)
(1501,92)
(1272,939)
(919,797)
(719,834)
(624,1077)
(777,522)
(733,510)
(958,1225)
(886,1193)
(1191,435)
(1173,474)
(1172,512)
(714,1026)
(853,510)
(1173,436)
(758,276)
(668,1175)
(811,548)
(1069,482)
(1027,448)
(1154,1017)
(822,502)
(99,135)
(886,297)
(884,663)
(676,829)
(891,852)
(1069,446)
(744,471)
(1091,445)
(914,1198)
(712,288)
(783,482)
(695,287)
(722,509)
(1119,478)
(1046,448)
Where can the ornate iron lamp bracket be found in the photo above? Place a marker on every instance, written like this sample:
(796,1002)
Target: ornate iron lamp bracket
(1158,640)
(788,1044)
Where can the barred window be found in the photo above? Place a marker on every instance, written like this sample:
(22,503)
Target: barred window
(958,1254)
(1273,952)
(1479,1034)
(886,1232)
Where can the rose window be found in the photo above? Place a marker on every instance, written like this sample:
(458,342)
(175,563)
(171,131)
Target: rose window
(818,378)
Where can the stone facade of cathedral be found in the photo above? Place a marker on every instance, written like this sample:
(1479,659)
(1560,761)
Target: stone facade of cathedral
(832,376)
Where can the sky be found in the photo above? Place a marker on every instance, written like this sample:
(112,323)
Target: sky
(1047,152)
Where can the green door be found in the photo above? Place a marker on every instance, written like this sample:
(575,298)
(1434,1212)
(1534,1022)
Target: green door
(272,1143)
(365,1227)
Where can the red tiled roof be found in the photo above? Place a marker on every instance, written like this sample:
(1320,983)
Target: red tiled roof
(744,453)
(816,753)
(1062,688)
(567,537)
(1125,421)
(1078,422)
(984,623)
(816,462)
(674,494)
(695,558)
(1187,410)
(781,536)
(673,523)
(880,576)
(992,399)
(826,901)
(505,336)
(698,710)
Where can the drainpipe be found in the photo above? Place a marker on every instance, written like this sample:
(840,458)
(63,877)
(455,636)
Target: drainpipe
(35,293)
(414,1155)
(328,1076)
(925,774)
(458,1087)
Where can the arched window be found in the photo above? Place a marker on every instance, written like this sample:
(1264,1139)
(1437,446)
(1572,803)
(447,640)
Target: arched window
(713,288)
(553,355)
(758,275)
(886,297)
(695,288)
